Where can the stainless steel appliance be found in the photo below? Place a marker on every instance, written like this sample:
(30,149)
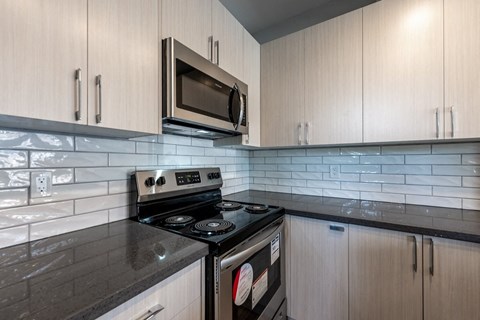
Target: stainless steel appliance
(245,270)
(199,98)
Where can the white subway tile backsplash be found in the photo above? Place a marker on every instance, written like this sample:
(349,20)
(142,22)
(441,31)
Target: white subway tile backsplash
(406,169)
(202,143)
(308,191)
(456,170)
(224,160)
(13,197)
(174,160)
(323,152)
(190,151)
(13,159)
(470,204)
(156,148)
(271,181)
(291,167)
(279,160)
(383,178)
(120,186)
(434,180)
(34,141)
(318,168)
(471,159)
(360,151)
(30,214)
(473,182)
(433,159)
(457,192)
(277,174)
(122,160)
(342,177)
(341,194)
(306,160)
(50,228)
(292,153)
(283,189)
(356,186)
(121,213)
(104,145)
(341,160)
(257,161)
(382,160)
(101,203)
(382,196)
(73,191)
(407,189)
(308,175)
(196,160)
(360,168)
(456,148)
(14,178)
(323,184)
(292,182)
(13,236)
(434,201)
(46,159)
(103,174)
(172,139)
(258,174)
(407,149)
(264,153)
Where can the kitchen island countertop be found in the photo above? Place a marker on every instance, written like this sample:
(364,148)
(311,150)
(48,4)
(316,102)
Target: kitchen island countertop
(86,273)
(431,221)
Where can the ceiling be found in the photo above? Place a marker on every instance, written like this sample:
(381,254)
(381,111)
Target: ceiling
(270,19)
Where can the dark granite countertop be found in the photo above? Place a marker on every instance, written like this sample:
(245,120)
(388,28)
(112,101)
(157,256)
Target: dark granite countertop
(86,273)
(431,221)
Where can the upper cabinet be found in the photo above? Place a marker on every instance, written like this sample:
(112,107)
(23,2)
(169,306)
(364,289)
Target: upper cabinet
(283,91)
(190,22)
(43,44)
(123,64)
(228,40)
(251,76)
(403,70)
(333,80)
(462,64)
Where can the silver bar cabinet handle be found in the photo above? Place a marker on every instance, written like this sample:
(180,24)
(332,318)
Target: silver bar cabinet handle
(415,262)
(337,228)
(152,312)
(452,114)
(307,132)
(437,123)
(78,86)
(300,127)
(210,46)
(432,261)
(98,83)
(217,46)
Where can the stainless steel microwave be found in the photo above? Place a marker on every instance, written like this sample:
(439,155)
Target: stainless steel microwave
(199,98)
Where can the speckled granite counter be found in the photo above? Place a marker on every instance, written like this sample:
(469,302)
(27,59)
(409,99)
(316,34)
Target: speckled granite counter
(84,274)
(431,221)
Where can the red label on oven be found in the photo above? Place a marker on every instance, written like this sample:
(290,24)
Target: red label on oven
(242,284)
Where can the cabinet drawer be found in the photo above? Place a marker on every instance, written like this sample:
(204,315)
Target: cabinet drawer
(174,294)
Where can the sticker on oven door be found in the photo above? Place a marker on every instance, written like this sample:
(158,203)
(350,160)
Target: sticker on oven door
(259,288)
(242,284)
(275,249)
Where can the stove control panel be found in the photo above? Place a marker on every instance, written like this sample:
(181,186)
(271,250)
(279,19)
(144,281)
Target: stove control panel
(159,184)
(184,178)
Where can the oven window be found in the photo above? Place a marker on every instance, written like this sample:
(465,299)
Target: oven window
(255,282)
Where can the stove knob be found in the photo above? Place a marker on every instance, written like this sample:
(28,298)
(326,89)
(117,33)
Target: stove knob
(210,176)
(161,181)
(150,182)
(217,175)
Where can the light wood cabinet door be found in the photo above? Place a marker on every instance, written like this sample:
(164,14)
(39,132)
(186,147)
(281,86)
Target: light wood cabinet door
(189,22)
(318,272)
(282,89)
(123,49)
(403,70)
(333,80)
(462,68)
(453,291)
(383,283)
(251,76)
(228,37)
(42,44)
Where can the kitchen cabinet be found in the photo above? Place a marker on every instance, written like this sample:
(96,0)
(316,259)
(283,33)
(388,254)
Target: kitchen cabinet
(385,274)
(251,76)
(189,22)
(318,269)
(333,81)
(462,79)
(451,279)
(123,64)
(283,91)
(180,295)
(403,70)
(43,43)
(228,40)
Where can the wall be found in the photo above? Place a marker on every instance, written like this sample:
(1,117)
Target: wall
(446,175)
(91,183)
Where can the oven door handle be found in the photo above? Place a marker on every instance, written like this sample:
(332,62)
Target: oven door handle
(258,242)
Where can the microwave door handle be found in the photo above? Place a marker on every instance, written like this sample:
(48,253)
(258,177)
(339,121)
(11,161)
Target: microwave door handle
(242,108)
(230,105)
(259,242)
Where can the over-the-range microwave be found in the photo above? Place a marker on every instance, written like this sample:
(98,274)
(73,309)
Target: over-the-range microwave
(199,98)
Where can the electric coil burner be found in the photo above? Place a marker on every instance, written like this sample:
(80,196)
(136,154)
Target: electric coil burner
(245,239)
(213,226)
(228,206)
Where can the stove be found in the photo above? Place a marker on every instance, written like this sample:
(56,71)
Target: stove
(189,202)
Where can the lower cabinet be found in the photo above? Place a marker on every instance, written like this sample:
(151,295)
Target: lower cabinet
(337,271)
(318,270)
(451,279)
(180,296)
(385,274)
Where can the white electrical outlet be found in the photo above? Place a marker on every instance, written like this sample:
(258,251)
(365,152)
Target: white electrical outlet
(335,171)
(41,184)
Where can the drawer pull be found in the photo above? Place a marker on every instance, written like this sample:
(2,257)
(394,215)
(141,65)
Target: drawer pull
(337,228)
(152,312)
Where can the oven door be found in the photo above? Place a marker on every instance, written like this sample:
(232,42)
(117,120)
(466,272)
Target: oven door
(251,277)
